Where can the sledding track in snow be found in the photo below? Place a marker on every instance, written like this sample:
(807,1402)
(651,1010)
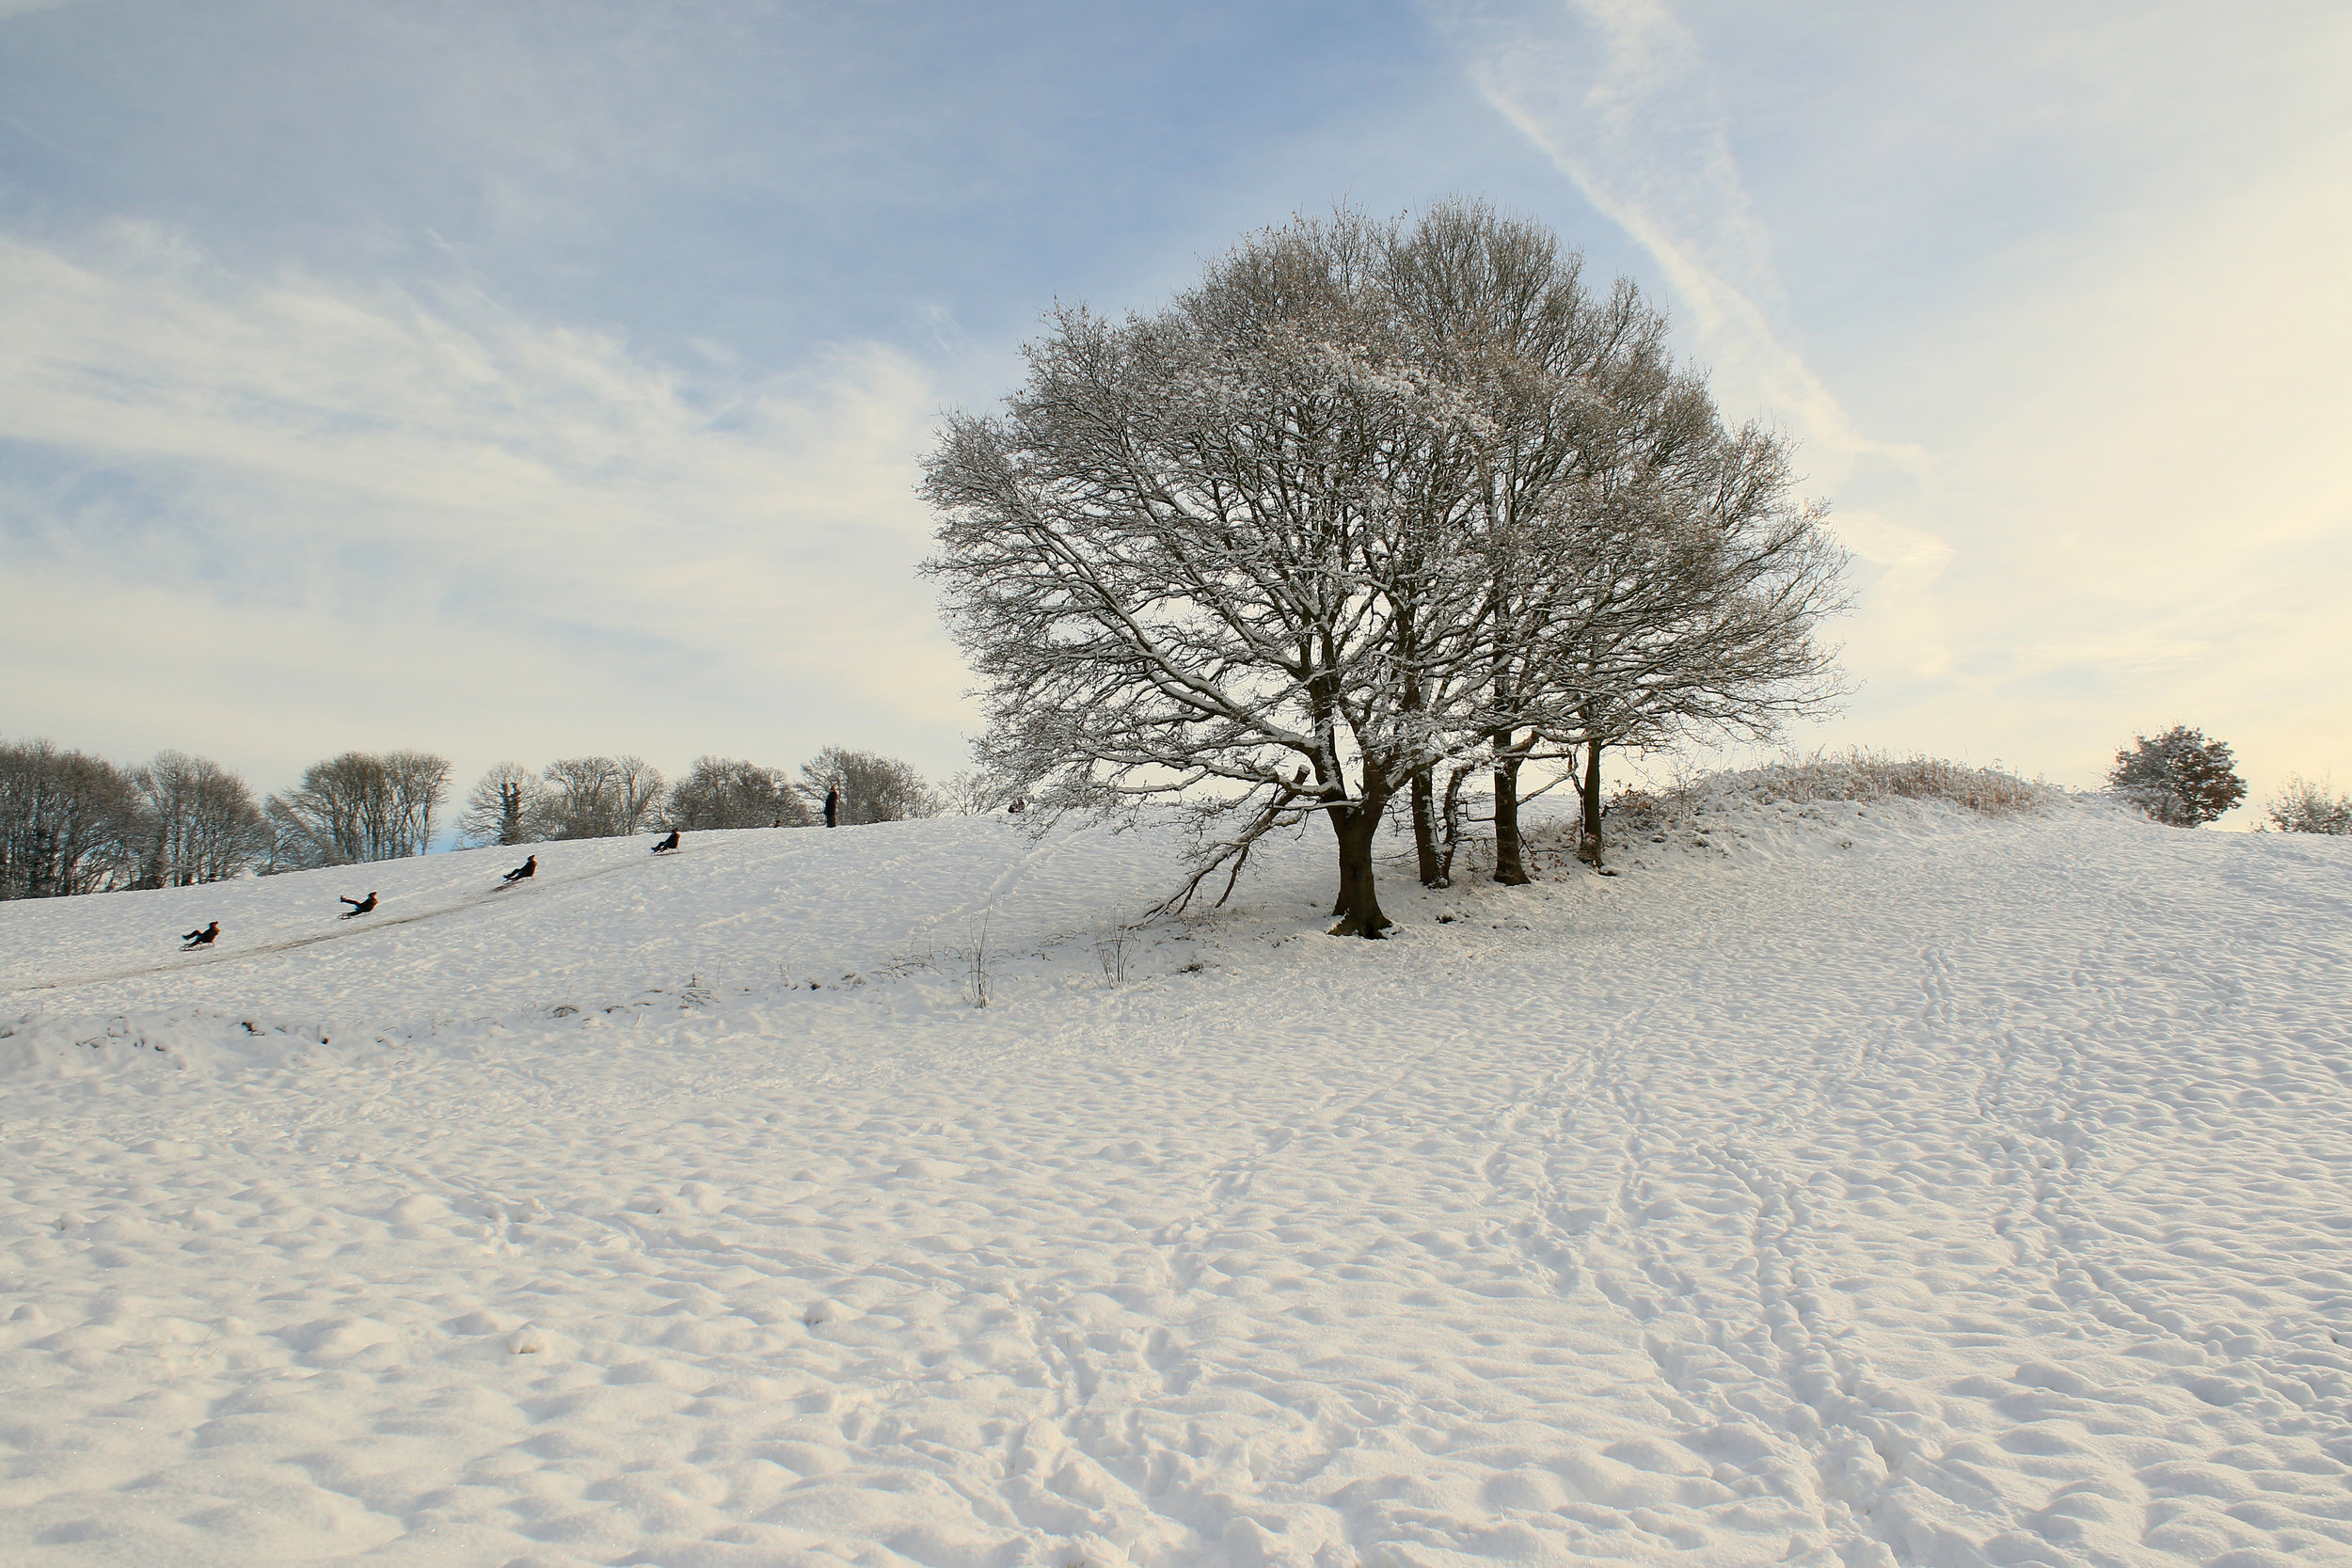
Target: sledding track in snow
(1900,1188)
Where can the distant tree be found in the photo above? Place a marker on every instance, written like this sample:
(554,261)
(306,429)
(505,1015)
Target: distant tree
(68,823)
(198,821)
(873,788)
(598,797)
(2179,777)
(2301,806)
(419,785)
(358,806)
(721,792)
(502,807)
(974,793)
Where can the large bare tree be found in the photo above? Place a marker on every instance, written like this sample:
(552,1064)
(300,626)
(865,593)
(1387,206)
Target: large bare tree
(1371,502)
(1497,309)
(1178,559)
(1685,588)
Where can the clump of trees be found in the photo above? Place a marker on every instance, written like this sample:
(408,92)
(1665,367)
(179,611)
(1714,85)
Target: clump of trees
(199,822)
(592,797)
(68,823)
(73,823)
(2301,806)
(1372,506)
(600,797)
(873,788)
(358,806)
(724,792)
(2179,778)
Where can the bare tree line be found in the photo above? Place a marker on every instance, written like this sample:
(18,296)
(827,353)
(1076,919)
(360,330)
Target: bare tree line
(1373,507)
(601,796)
(73,823)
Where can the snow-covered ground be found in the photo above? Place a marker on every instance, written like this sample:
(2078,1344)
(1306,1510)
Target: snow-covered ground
(1862,1185)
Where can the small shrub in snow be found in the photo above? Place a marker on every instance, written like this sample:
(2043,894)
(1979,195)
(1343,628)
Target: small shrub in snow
(1113,952)
(2179,777)
(2301,806)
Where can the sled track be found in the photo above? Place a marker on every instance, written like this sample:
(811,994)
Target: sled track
(356,929)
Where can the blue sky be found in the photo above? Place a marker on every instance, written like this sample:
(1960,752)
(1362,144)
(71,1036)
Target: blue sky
(520,381)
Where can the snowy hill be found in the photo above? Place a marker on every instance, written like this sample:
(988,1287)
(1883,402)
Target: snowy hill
(1836,1185)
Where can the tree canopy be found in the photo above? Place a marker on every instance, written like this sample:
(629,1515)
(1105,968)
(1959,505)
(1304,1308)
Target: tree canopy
(1369,498)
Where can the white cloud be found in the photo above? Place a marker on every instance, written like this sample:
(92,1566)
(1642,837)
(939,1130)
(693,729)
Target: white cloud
(1618,96)
(319,516)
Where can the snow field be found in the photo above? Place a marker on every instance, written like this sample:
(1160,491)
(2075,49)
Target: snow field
(1836,1185)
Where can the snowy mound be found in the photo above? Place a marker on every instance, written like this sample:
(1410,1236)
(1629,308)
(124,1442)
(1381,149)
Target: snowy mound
(1842,1181)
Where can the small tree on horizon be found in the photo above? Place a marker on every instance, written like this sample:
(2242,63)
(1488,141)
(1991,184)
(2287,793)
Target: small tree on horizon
(2179,778)
(2302,806)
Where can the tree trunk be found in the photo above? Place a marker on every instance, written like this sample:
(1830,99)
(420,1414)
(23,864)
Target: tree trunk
(1589,845)
(1451,812)
(1425,831)
(1358,904)
(1510,863)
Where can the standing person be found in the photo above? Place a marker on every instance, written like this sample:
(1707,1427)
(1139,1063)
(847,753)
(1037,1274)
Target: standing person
(833,806)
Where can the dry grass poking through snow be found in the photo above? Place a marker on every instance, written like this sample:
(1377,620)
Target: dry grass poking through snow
(1860,776)
(1864,776)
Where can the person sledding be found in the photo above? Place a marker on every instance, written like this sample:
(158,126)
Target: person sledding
(200,939)
(358,906)
(668,845)
(522,873)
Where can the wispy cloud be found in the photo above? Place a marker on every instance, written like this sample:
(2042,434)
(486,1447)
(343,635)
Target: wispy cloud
(1617,94)
(1619,97)
(409,504)
(2102,323)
